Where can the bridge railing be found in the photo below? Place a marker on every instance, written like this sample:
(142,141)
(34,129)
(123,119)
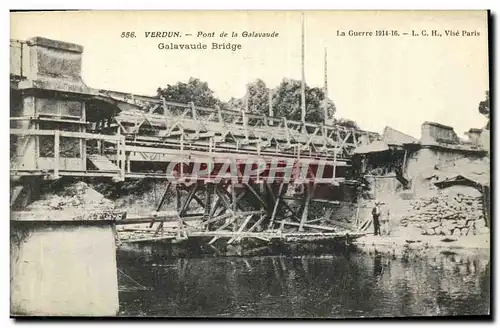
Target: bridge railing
(170,119)
(33,162)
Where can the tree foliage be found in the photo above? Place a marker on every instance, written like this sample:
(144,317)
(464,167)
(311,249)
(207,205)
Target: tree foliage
(258,99)
(286,101)
(347,123)
(194,90)
(484,108)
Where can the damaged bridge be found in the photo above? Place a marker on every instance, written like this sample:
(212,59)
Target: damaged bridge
(246,172)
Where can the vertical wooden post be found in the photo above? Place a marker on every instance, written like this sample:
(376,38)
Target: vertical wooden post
(271,114)
(354,139)
(325,135)
(128,162)
(219,114)
(233,207)
(357,215)
(325,91)
(208,200)
(334,164)
(193,111)
(37,145)
(177,198)
(404,162)
(56,154)
(276,204)
(305,212)
(122,158)
(303,84)
(165,111)
(182,153)
(245,125)
(233,196)
(83,142)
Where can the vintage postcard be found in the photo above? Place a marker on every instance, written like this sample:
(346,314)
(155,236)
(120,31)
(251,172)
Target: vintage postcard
(250,164)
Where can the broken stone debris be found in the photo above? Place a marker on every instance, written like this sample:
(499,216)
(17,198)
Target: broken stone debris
(75,196)
(454,212)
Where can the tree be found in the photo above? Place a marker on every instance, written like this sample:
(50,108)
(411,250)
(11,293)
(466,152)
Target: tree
(195,91)
(347,123)
(286,101)
(258,99)
(484,108)
(236,104)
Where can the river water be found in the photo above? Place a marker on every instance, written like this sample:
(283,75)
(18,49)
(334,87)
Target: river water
(328,286)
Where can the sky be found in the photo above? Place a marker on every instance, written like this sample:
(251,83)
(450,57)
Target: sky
(376,81)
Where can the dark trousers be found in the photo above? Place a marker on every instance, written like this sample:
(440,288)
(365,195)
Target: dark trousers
(376,225)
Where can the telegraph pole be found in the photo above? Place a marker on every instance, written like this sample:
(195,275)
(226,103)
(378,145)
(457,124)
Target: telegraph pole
(303,85)
(325,89)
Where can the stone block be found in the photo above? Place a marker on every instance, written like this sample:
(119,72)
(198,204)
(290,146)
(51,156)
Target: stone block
(478,224)
(483,231)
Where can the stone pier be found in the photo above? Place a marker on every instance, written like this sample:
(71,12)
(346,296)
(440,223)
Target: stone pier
(63,266)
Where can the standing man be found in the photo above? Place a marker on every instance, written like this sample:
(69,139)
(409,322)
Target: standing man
(376,218)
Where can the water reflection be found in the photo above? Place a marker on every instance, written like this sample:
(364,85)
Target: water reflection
(321,286)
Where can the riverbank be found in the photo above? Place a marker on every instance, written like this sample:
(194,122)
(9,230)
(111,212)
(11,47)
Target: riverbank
(422,245)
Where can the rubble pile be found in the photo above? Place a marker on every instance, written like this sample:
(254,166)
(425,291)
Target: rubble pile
(448,214)
(75,196)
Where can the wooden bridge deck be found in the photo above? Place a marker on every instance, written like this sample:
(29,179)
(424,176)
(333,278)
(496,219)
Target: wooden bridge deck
(140,135)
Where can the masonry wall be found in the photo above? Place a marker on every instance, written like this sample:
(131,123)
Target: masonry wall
(66,269)
(421,163)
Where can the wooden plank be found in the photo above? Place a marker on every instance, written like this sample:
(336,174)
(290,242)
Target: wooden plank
(305,225)
(137,219)
(305,211)
(219,229)
(256,194)
(223,198)
(291,211)
(121,152)
(219,217)
(242,227)
(103,163)
(188,199)
(343,225)
(240,152)
(129,241)
(162,202)
(47,119)
(68,134)
(199,201)
(256,224)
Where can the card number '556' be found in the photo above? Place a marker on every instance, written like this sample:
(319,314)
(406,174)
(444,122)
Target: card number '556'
(128,35)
